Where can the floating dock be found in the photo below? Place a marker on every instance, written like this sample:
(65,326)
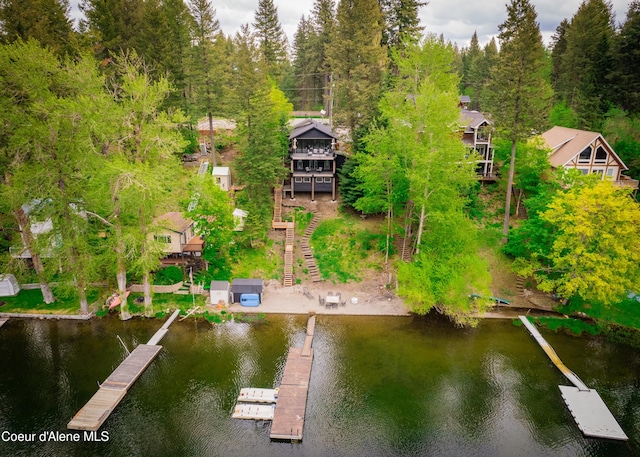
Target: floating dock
(114,388)
(587,408)
(288,419)
(253,411)
(257,395)
(3,320)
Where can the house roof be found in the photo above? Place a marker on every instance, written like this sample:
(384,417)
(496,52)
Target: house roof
(465,99)
(218,124)
(173,221)
(566,143)
(220,285)
(306,128)
(473,119)
(220,171)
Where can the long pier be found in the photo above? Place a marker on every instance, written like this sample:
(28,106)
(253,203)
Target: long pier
(93,414)
(586,406)
(288,418)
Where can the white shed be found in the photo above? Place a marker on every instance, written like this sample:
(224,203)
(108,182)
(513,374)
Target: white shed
(222,177)
(220,293)
(8,285)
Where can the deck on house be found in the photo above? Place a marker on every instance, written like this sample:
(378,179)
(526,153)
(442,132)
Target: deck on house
(3,320)
(288,418)
(587,408)
(93,414)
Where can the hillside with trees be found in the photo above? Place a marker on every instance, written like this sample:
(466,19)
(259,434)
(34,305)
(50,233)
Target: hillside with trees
(98,116)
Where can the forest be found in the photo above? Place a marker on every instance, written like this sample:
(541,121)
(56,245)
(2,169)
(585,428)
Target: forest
(98,114)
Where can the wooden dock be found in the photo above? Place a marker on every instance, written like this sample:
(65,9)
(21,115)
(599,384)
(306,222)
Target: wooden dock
(288,418)
(587,408)
(114,388)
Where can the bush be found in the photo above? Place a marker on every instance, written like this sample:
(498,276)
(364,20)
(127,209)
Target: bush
(168,276)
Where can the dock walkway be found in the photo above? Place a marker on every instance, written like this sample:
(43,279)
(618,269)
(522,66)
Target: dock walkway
(288,418)
(115,387)
(587,408)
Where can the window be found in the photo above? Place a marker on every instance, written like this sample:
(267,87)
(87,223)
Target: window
(585,155)
(610,172)
(598,172)
(306,179)
(318,179)
(327,180)
(163,238)
(601,155)
(299,165)
(297,179)
(584,171)
(217,179)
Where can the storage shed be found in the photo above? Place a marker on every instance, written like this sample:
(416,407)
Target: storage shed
(8,285)
(220,293)
(246,286)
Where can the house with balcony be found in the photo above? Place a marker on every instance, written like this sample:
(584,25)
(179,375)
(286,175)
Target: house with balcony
(182,247)
(313,159)
(477,137)
(587,152)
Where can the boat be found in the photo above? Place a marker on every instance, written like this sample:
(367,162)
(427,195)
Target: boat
(114,300)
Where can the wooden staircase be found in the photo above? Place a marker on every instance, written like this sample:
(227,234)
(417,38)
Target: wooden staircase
(288,254)
(314,273)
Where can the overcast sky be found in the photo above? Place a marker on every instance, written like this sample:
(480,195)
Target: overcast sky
(455,19)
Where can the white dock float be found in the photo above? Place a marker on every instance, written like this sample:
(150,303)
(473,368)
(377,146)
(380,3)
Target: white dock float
(257,395)
(587,408)
(3,320)
(591,414)
(253,411)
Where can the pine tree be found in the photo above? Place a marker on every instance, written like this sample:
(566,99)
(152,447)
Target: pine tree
(582,79)
(207,78)
(357,60)
(112,26)
(272,42)
(558,48)
(323,17)
(518,94)
(626,57)
(470,60)
(402,22)
(304,67)
(44,20)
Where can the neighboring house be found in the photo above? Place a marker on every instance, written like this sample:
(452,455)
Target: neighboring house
(312,147)
(222,177)
(476,137)
(220,126)
(239,218)
(38,228)
(587,152)
(182,246)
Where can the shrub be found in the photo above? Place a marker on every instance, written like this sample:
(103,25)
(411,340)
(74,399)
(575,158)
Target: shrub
(168,275)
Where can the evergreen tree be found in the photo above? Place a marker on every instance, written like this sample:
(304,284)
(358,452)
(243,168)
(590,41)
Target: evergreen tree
(323,17)
(357,61)
(112,26)
(518,94)
(402,22)
(307,93)
(45,20)
(626,78)
(272,42)
(558,48)
(471,57)
(586,62)
(207,66)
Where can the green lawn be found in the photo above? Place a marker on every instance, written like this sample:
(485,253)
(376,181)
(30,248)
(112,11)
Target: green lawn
(31,301)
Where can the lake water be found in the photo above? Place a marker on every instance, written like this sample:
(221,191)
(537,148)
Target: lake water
(380,386)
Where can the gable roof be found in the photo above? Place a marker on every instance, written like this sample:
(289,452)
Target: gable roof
(473,119)
(306,128)
(173,221)
(566,143)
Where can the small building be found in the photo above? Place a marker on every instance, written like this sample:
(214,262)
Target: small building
(9,286)
(312,150)
(241,286)
(587,152)
(222,177)
(220,293)
(182,246)
(239,217)
(476,137)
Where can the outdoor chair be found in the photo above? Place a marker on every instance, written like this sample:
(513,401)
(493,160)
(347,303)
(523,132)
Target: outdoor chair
(321,301)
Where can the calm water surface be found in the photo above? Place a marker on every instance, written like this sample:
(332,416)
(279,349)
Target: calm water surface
(380,386)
